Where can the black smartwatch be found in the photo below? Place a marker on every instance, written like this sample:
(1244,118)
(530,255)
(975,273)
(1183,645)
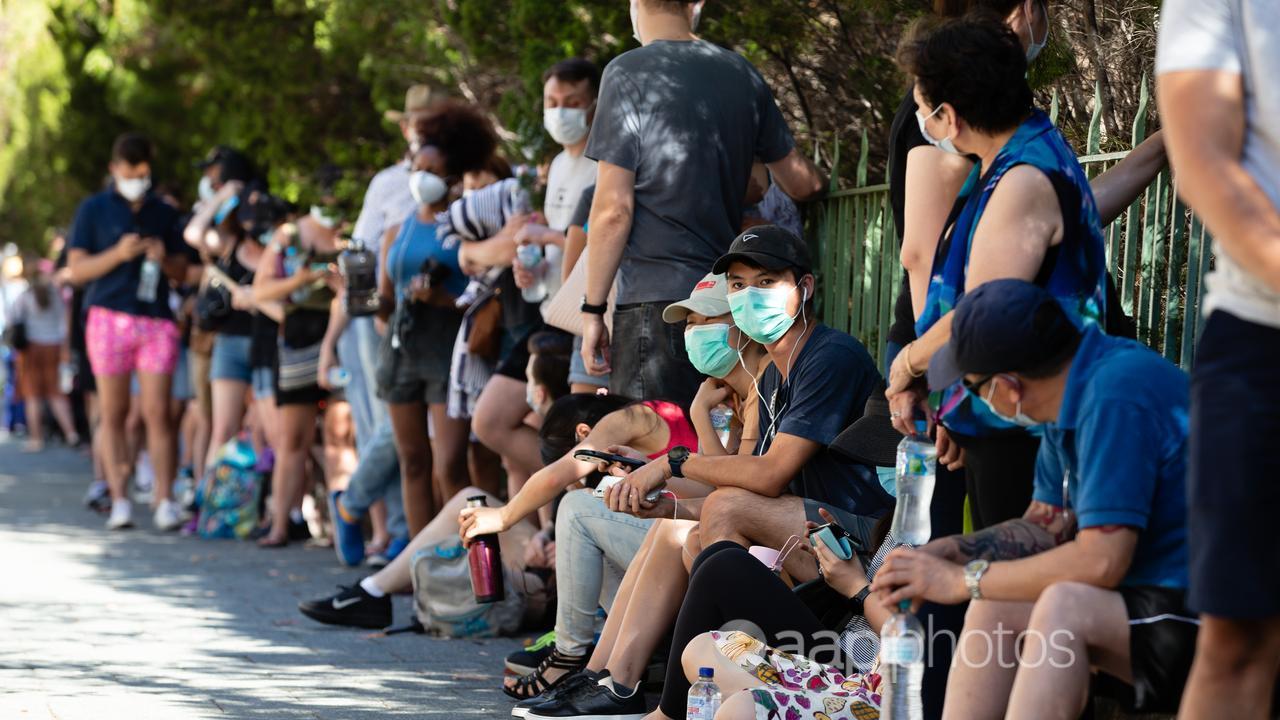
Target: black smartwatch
(593,309)
(675,458)
(858,602)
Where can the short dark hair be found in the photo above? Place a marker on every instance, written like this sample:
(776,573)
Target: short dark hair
(975,63)
(463,134)
(131,148)
(957,8)
(551,352)
(575,70)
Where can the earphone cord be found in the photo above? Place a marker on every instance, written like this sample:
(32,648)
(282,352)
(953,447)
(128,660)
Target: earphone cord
(773,418)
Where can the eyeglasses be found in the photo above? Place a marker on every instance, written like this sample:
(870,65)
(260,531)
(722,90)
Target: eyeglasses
(976,387)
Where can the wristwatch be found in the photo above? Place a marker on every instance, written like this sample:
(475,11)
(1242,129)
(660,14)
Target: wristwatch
(858,602)
(675,458)
(593,309)
(973,573)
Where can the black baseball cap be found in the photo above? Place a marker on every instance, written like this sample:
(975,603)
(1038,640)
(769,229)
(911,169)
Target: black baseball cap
(1001,326)
(871,439)
(769,246)
(235,165)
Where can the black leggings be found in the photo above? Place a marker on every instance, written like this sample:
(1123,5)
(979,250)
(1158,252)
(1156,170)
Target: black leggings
(999,474)
(728,583)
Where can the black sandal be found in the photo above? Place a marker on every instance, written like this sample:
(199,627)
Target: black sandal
(535,683)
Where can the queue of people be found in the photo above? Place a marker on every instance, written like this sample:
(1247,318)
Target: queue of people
(626,387)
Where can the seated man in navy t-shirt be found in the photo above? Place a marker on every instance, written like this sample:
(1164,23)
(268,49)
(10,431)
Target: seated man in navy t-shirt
(1095,572)
(817,385)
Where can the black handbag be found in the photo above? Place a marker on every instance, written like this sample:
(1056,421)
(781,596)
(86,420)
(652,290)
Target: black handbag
(213,306)
(17,335)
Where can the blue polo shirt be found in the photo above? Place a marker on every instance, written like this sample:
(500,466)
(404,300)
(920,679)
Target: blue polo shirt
(1121,444)
(100,221)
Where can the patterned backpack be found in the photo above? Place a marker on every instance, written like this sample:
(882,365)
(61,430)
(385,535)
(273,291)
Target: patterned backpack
(229,497)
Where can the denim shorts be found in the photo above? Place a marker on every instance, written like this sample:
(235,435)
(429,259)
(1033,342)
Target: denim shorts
(230,359)
(578,374)
(264,383)
(648,356)
(181,387)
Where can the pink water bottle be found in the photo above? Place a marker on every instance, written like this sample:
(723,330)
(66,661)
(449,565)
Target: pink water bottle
(485,559)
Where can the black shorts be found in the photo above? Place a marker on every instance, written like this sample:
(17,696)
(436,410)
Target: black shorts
(1232,489)
(1162,644)
(516,359)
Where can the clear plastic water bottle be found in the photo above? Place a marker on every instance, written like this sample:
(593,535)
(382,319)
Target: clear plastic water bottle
(66,378)
(902,665)
(721,418)
(917,468)
(339,377)
(358,266)
(149,281)
(530,258)
(704,696)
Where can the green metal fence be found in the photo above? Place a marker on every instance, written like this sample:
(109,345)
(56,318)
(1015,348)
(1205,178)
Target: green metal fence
(1158,250)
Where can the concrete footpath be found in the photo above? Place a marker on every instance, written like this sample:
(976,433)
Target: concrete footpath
(137,625)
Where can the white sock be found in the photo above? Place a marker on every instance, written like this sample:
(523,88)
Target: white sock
(621,690)
(370,586)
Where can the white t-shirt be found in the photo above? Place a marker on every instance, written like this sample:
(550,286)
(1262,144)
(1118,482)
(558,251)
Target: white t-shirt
(1238,36)
(566,180)
(47,326)
(387,202)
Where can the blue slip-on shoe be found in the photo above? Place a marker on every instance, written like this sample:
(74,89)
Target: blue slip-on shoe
(348,537)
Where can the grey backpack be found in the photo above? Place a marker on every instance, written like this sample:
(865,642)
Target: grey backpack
(445,603)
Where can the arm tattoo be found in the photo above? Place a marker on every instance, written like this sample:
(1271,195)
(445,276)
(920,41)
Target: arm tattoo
(1007,541)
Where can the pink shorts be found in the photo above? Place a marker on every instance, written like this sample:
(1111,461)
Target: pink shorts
(120,343)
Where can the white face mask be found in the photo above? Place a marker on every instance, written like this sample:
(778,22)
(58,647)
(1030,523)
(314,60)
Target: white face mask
(323,218)
(132,189)
(944,144)
(635,21)
(206,190)
(427,188)
(566,126)
(696,18)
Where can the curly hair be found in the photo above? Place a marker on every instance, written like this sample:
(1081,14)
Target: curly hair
(461,132)
(975,63)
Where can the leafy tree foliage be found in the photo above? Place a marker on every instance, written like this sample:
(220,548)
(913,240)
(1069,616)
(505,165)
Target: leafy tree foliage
(299,84)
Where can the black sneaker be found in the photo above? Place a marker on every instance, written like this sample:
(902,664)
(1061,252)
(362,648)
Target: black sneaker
(298,531)
(528,658)
(571,681)
(353,607)
(591,701)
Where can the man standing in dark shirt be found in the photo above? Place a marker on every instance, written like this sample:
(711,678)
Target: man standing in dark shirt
(678,125)
(124,245)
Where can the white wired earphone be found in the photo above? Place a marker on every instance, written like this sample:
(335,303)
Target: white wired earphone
(773,417)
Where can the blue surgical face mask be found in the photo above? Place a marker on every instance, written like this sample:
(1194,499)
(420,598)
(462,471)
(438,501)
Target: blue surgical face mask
(944,144)
(709,349)
(888,477)
(761,313)
(1033,47)
(1019,418)
(529,398)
